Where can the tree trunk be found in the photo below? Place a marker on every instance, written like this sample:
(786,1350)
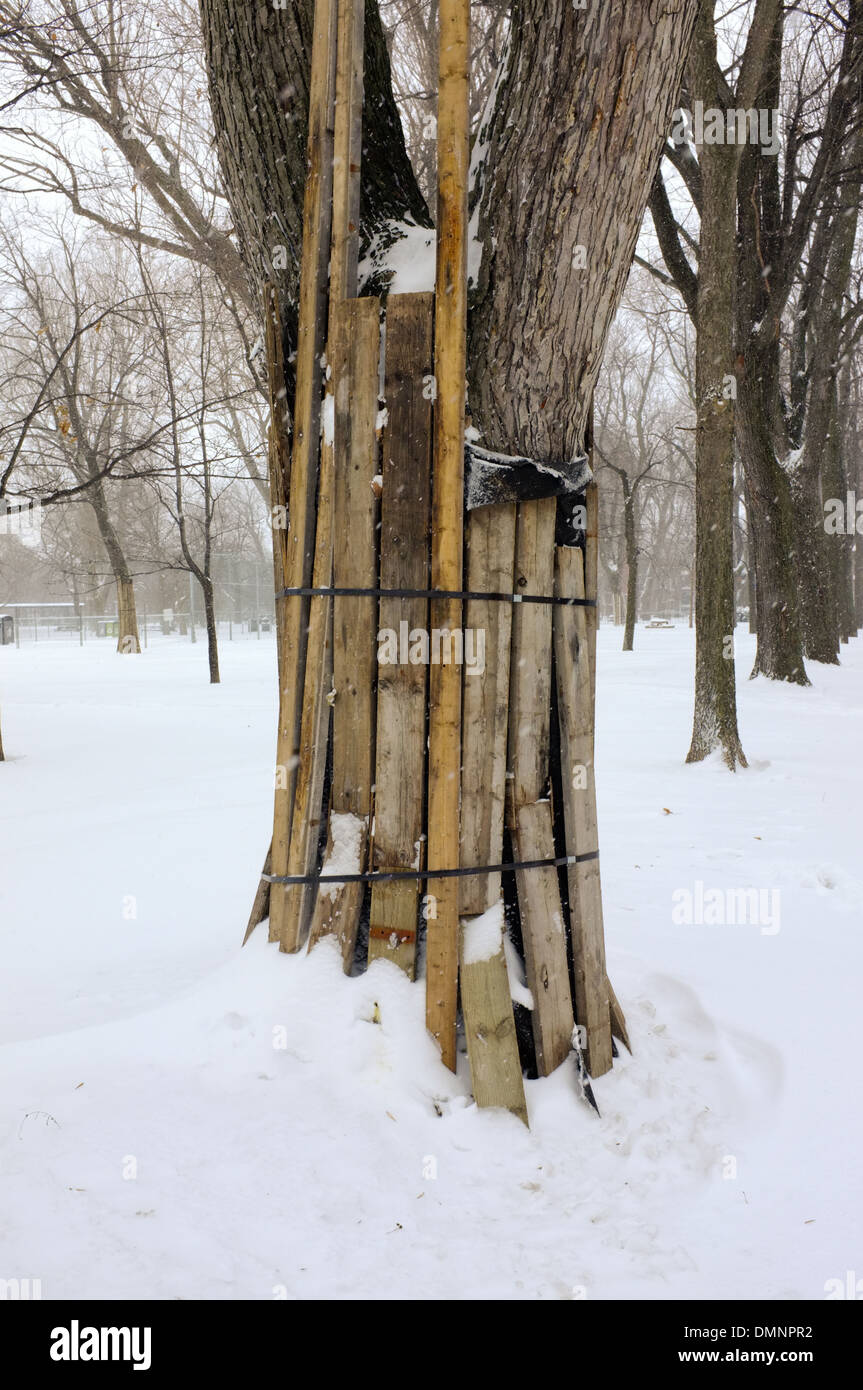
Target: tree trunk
(714,724)
(631,564)
(128,641)
(210,621)
(258,60)
(572,147)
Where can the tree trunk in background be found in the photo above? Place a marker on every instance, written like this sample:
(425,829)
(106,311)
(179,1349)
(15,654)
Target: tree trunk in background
(128,641)
(573,144)
(771,520)
(714,724)
(210,622)
(631,563)
(258,60)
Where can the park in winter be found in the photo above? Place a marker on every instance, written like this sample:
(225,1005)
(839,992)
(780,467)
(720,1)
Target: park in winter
(430,686)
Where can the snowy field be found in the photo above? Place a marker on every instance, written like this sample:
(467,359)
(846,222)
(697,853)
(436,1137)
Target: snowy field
(183,1119)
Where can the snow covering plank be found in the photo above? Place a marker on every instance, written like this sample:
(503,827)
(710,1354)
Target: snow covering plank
(489,1022)
(317,215)
(485,709)
(453,123)
(575,708)
(400,749)
(355,351)
(544,937)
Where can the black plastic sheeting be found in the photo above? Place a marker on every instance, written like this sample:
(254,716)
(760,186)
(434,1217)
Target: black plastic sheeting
(492,478)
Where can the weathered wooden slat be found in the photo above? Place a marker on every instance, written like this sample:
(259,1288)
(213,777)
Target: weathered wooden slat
(489,1023)
(485,707)
(544,936)
(312,748)
(591,588)
(402,684)
(355,351)
(453,127)
(300,542)
(528,810)
(575,708)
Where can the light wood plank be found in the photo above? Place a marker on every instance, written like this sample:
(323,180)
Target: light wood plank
(544,936)
(402,686)
(489,1023)
(300,542)
(575,708)
(485,708)
(453,126)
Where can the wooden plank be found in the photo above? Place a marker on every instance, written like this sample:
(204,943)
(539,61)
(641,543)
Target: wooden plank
(355,350)
(453,127)
(317,210)
(528,810)
(402,685)
(312,747)
(261,901)
(530,694)
(544,936)
(489,1024)
(591,588)
(575,708)
(485,707)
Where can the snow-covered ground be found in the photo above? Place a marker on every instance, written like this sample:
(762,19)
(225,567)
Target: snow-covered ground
(183,1119)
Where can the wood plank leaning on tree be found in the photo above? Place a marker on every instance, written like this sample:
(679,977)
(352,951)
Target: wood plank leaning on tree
(315,719)
(402,685)
(529,810)
(592,1006)
(317,210)
(355,349)
(447,503)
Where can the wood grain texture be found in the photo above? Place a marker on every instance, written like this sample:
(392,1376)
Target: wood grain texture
(447,501)
(575,709)
(489,1024)
(355,351)
(402,685)
(300,543)
(544,936)
(485,707)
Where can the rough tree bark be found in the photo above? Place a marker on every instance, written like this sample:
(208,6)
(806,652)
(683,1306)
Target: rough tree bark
(258,67)
(573,144)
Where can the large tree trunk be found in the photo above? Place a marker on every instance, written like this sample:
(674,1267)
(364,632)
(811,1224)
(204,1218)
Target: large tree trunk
(714,724)
(573,144)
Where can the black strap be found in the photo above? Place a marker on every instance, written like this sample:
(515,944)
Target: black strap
(329,591)
(385,876)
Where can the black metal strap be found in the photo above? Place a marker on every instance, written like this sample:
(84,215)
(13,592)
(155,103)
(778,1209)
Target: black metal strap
(385,876)
(330,591)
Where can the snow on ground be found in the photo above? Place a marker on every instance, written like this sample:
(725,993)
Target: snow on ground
(183,1119)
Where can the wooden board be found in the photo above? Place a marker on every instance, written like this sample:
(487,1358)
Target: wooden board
(489,1024)
(575,706)
(300,541)
(402,685)
(591,587)
(544,936)
(485,704)
(530,692)
(528,810)
(453,128)
(355,351)
(314,728)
